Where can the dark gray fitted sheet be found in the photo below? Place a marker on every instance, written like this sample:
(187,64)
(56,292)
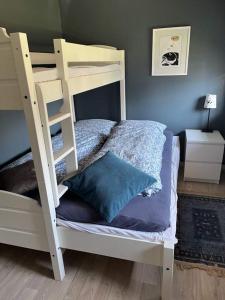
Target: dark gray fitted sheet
(149,214)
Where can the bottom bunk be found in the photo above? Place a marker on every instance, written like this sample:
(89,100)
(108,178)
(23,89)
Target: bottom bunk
(21,217)
(75,235)
(22,224)
(145,218)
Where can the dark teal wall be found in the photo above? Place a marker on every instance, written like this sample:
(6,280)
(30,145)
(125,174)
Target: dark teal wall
(128,24)
(40,19)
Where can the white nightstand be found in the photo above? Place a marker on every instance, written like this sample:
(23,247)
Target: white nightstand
(204,156)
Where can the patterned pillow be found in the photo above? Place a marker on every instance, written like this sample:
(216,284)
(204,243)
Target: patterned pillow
(90,136)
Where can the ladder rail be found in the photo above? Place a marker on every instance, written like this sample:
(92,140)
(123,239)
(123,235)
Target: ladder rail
(66,119)
(67,128)
(62,153)
(68,150)
(68,132)
(28,96)
(58,118)
(48,143)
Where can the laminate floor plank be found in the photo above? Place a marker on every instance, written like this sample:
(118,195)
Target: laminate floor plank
(27,275)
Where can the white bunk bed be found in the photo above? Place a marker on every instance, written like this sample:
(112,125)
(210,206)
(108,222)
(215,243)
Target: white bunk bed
(23,222)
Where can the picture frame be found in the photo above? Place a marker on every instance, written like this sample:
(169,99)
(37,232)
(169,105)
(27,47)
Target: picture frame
(170,51)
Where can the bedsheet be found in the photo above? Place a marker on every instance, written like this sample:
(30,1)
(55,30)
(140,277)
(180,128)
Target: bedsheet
(165,235)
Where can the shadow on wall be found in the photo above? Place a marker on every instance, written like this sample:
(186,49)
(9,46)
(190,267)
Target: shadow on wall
(218,114)
(103,103)
(200,104)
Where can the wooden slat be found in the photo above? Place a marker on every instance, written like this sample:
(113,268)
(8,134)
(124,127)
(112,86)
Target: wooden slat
(7,66)
(51,90)
(62,190)
(62,153)
(58,118)
(85,83)
(82,53)
(9,89)
(38,58)
(23,239)
(114,246)
(14,201)
(10,98)
(22,220)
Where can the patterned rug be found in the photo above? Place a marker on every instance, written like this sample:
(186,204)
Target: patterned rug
(201,230)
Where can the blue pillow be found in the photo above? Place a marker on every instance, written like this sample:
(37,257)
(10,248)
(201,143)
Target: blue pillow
(109,184)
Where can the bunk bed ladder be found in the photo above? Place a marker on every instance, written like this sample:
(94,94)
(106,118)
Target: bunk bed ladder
(28,98)
(68,151)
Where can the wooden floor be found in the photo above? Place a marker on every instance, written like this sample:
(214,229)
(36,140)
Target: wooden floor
(197,188)
(27,275)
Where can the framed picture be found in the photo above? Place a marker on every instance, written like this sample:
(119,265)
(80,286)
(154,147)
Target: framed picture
(170,51)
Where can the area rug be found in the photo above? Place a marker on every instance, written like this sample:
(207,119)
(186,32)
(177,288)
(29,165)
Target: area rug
(201,233)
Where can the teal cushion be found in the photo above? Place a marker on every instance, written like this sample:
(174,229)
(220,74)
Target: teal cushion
(109,184)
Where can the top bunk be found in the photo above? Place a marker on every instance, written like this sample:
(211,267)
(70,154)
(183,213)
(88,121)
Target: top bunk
(82,67)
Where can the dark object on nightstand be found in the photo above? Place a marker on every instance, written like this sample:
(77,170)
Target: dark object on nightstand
(210,102)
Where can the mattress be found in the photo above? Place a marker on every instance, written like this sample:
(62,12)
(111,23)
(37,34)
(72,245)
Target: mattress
(168,234)
(48,74)
(142,213)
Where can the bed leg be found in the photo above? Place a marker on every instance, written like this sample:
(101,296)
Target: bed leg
(167,271)
(58,265)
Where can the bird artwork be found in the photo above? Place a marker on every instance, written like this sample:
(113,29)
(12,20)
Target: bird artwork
(170,59)
(170,51)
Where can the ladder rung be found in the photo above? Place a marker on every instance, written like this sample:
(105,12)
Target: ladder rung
(58,118)
(61,190)
(61,154)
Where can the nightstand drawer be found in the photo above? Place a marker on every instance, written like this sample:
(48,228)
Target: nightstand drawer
(202,171)
(204,153)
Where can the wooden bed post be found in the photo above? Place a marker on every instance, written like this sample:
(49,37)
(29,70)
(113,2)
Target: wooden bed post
(29,99)
(68,129)
(167,271)
(122,89)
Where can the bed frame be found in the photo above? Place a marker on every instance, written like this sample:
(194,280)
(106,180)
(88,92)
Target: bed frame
(22,221)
